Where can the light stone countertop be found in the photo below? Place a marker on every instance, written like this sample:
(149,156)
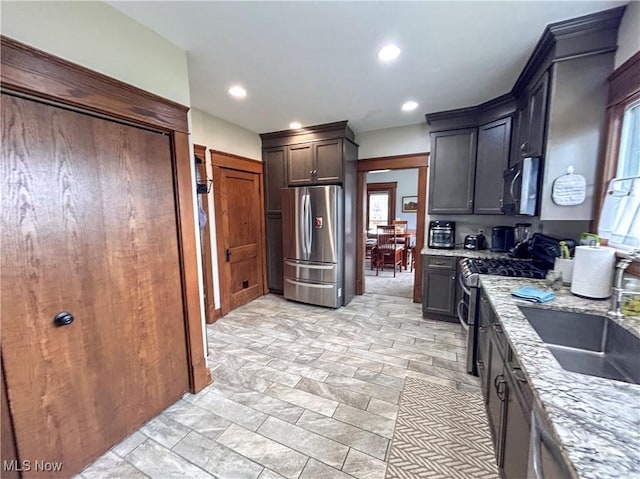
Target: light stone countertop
(595,420)
(463,253)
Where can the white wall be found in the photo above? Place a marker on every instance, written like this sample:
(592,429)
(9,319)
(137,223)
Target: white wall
(629,33)
(99,37)
(218,134)
(407,186)
(402,140)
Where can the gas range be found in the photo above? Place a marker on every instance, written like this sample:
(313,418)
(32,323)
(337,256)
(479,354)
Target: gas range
(517,268)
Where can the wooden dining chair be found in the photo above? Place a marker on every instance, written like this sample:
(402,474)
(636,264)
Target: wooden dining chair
(388,251)
(402,226)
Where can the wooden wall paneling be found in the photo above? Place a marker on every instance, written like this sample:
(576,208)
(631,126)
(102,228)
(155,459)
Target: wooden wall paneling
(200,153)
(32,71)
(199,373)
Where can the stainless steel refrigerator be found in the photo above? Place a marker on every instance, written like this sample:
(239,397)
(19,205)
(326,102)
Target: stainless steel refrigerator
(312,236)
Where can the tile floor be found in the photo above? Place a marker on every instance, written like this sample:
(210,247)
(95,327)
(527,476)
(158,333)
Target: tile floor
(300,392)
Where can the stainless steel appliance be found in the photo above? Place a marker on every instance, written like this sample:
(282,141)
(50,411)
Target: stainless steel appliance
(312,232)
(475,242)
(502,238)
(521,184)
(442,234)
(542,249)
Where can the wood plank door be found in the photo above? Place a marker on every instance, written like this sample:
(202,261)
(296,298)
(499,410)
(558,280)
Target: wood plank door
(89,227)
(241,236)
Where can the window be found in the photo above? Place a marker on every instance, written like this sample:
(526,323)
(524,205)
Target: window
(629,156)
(381,204)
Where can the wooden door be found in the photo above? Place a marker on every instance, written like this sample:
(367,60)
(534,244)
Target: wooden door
(88,227)
(240,245)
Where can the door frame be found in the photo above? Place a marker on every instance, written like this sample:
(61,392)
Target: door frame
(398,162)
(219,160)
(200,153)
(34,73)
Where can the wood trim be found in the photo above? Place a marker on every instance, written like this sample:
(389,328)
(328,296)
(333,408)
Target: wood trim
(420,227)
(220,159)
(236,162)
(624,89)
(338,129)
(32,71)
(8,440)
(397,162)
(41,75)
(200,153)
(417,160)
(199,373)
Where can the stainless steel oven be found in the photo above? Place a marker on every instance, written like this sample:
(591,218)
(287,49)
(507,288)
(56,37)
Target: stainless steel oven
(467,311)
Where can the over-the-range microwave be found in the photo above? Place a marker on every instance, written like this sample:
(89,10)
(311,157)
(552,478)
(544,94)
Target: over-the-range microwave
(521,185)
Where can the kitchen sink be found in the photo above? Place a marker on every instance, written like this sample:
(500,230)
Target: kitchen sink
(588,344)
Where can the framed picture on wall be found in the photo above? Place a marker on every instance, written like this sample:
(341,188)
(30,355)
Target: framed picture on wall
(409,204)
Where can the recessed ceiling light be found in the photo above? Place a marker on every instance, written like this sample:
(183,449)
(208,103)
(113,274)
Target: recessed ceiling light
(237,91)
(294,125)
(409,106)
(388,53)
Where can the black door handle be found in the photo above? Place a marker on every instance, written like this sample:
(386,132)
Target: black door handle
(63,319)
(228,254)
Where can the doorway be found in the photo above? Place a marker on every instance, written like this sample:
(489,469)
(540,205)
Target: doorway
(416,202)
(386,192)
(240,232)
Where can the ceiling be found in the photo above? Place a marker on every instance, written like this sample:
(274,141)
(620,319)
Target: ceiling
(316,62)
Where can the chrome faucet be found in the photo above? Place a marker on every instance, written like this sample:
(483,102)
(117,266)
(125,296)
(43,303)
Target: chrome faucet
(618,292)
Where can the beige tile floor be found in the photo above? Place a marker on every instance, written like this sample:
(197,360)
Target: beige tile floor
(300,392)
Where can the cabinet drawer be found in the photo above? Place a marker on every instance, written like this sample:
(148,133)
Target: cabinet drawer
(441,262)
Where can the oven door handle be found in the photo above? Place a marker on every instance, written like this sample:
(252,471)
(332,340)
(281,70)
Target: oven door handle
(466,290)
(459,307)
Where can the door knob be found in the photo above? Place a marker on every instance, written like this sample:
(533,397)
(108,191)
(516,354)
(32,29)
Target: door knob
(63,319)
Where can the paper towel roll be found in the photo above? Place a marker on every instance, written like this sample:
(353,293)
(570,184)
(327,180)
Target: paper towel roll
(593,271)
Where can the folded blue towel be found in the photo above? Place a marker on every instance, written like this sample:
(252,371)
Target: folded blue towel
(536,295)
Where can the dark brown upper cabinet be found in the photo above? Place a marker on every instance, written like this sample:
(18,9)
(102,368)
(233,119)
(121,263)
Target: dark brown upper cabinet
(533,119)
(554,110)
(322,154)
(315,162)
(494,139)
(453,164)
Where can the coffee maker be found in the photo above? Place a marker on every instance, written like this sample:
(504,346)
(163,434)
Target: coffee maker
(522,236)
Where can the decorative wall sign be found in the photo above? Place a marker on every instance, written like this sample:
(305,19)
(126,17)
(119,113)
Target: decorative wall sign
(569,189)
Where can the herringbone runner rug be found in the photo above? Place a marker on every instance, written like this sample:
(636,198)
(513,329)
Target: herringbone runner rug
(441,433)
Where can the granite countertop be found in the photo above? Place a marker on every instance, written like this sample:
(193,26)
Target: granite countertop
(595,420)
(463,253)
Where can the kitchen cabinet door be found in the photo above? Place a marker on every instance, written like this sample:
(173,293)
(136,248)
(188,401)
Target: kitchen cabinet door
(482,359)
(439,291)
(538,116)
(300,164)
(452,171)
(493,158)
(495,394)
(515,450)
(275,281)
(274,177)
(327,155)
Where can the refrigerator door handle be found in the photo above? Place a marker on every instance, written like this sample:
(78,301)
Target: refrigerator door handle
(309,225)
(302,227)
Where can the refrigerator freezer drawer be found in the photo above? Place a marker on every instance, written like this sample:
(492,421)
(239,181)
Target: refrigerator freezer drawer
(315,272)
(322,294)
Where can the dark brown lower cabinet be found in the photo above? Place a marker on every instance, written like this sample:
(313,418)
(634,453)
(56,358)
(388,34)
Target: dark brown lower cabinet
(440,288)
(515,449)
